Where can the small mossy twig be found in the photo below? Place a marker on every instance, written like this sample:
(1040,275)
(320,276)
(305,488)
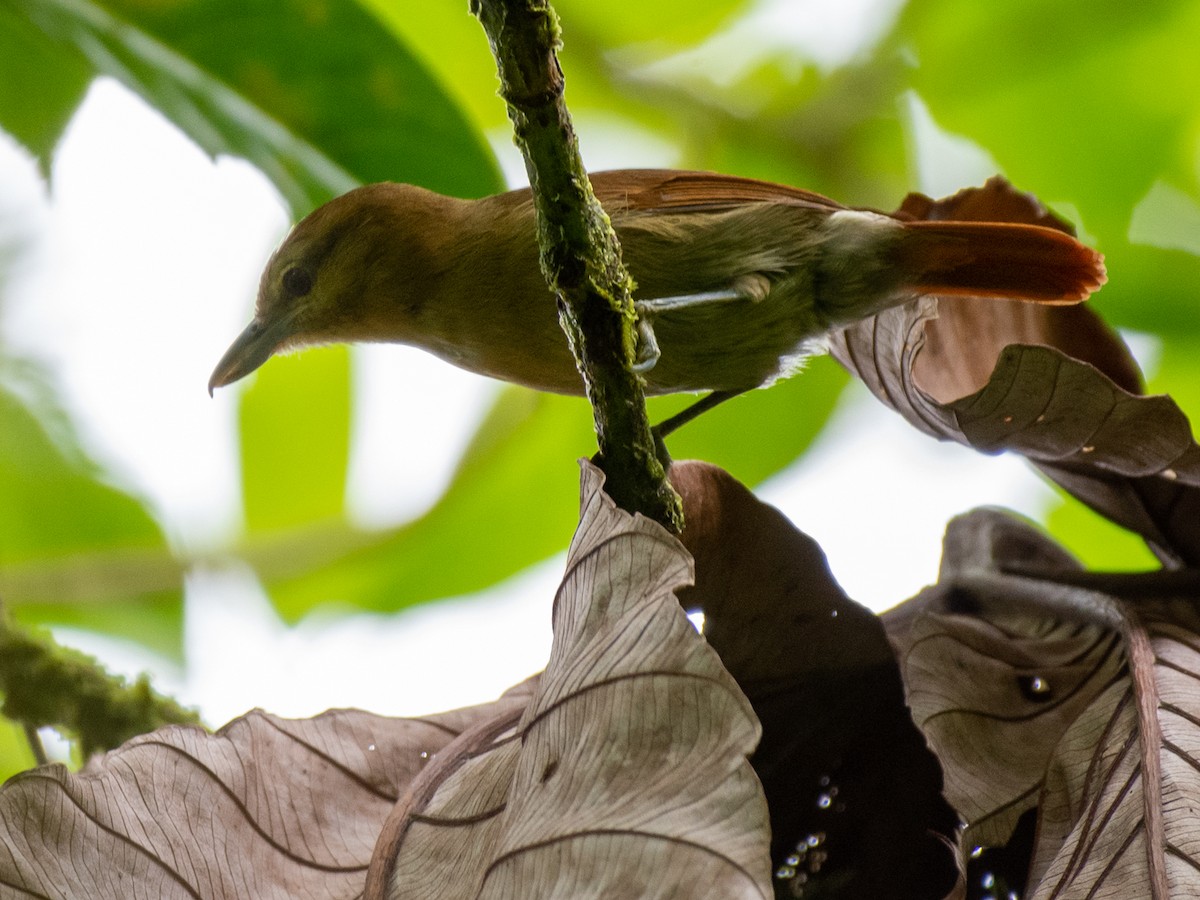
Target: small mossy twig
(46,684)
(580,255)
(36,747)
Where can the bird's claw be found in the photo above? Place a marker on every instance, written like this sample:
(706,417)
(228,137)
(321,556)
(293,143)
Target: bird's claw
(647,351)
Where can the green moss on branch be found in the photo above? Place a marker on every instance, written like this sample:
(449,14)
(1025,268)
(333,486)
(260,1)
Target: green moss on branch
(580,255)
(45,684)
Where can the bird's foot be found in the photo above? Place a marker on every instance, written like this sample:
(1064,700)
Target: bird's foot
(647,353)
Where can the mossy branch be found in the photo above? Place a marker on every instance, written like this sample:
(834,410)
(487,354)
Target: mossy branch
(580,255)
(46,684)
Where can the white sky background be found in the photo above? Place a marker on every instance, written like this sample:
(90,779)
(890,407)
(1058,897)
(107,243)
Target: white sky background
(143,257)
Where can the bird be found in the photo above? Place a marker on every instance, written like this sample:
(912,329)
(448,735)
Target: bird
(737,280)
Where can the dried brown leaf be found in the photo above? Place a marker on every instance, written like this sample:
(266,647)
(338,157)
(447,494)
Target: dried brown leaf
(854,793)
(995,728)
(993,682)
(627,774)
(1054,384)
(266,807)
(1121,807)
(1043,693)
(622,771)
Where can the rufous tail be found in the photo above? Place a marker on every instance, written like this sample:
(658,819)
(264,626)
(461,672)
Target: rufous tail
(1002,260)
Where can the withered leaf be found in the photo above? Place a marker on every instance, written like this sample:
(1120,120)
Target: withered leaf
(854,793)
(1121,804)
(994,683)
(626,775)
(622,771)
(266,807)
(1043,694)
(1054,384)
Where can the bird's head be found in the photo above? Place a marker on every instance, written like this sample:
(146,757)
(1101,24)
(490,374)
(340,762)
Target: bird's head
(356,269)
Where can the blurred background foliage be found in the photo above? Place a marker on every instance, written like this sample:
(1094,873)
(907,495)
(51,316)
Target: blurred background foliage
(1089,105)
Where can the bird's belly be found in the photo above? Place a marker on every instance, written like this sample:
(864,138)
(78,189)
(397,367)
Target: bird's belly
(733,346)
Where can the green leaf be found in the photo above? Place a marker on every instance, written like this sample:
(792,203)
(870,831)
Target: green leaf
(451,42)
(1081,99)
(762,432)
(1178,374)
(41,84)
(1094,540)
(295,429)
(513,502)
(15,755)
(317,95)
(1091,103)
(76,550)
(674,23)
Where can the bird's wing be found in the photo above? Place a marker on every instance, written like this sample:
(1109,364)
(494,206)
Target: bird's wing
(645,190)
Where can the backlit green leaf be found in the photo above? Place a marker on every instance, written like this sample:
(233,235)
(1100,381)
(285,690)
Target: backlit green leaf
(317,95)
(759,433)
(1091,103)
(75,549)
(15,755)
(512,503)
(295,428)
(1094,540)
(33,66)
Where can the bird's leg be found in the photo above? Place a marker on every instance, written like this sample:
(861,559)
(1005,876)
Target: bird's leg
(661,305)
(667,426)
(647,345)
(703,405)
(753,287)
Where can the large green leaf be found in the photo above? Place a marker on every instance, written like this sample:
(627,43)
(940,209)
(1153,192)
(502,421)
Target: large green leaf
(15,755)
(1177,373)
(513,502)
(1097,542)
(1087,102)
(317,95)
(759,433)
(295,428)
(76,550)
(33,67)
(452,43)
(671,24)
(1088,99)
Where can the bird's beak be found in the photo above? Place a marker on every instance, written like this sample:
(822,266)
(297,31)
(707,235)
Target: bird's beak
(252,348)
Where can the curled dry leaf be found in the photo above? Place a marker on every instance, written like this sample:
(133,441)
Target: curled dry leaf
(1042,694)
(627,774)
(992,682)
(854,793)
(265,808)
(1054,384)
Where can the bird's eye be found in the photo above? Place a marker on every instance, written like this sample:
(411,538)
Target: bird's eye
(297,282)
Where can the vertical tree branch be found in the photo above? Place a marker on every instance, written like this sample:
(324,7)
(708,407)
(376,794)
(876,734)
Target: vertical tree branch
(580,255)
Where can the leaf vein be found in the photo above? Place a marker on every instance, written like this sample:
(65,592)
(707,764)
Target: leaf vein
(244,810)
(114,833)
(614,832)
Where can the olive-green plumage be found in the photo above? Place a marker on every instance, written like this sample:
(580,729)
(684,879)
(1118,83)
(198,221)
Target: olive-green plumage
(760,272)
